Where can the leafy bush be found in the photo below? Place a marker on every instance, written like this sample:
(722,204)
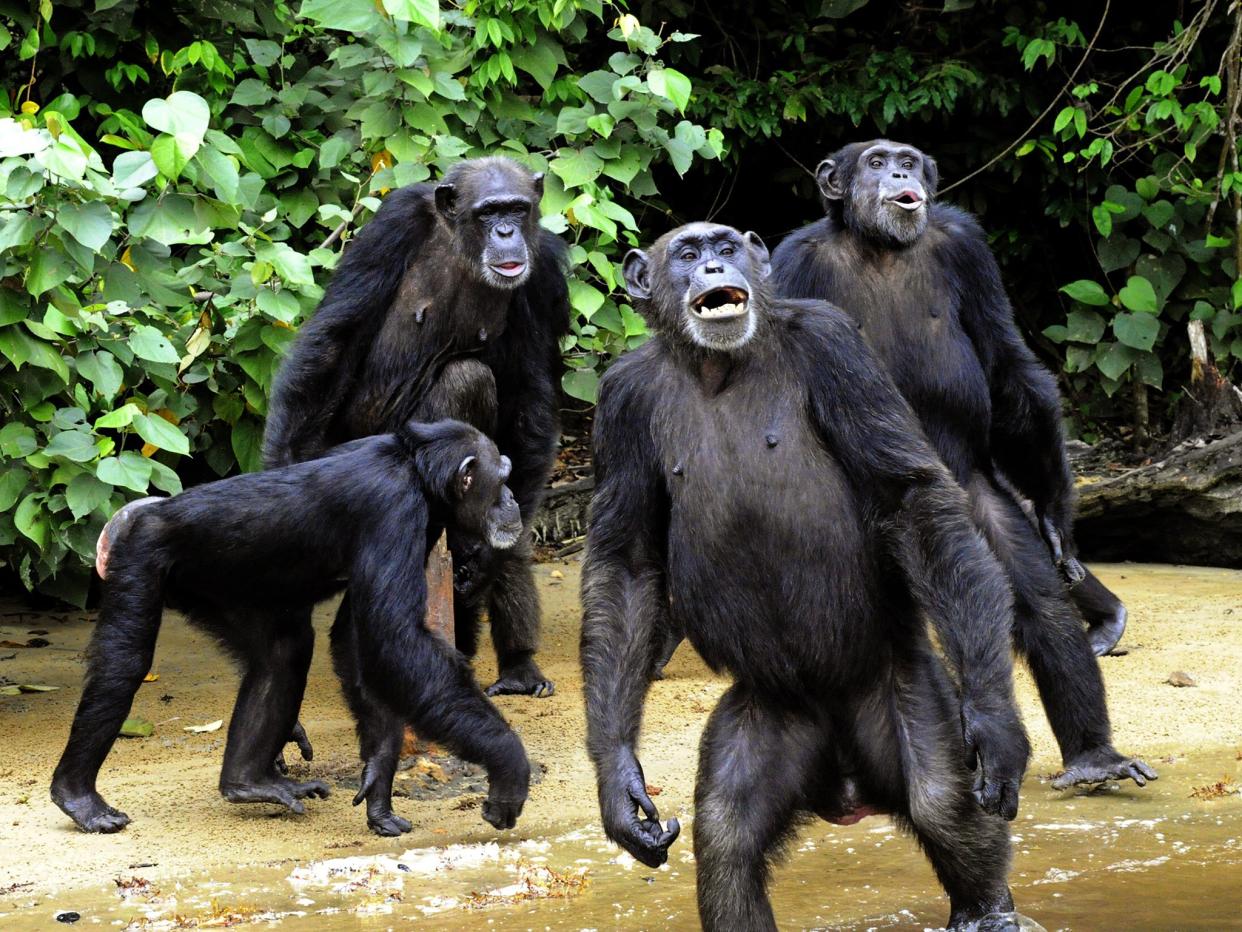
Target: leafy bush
(157,255)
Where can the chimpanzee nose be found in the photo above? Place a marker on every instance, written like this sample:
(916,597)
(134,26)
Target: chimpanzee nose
(900,175)
(504,231)
(713,268)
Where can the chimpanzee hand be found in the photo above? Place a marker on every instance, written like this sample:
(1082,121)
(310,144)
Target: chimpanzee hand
(507,789)
(997,752)
(1069,566)
(299,738)
(621,793)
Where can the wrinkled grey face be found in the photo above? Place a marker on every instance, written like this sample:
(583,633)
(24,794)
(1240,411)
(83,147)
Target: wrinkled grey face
(702,281)
(888,195)
(493,209)
(485,505)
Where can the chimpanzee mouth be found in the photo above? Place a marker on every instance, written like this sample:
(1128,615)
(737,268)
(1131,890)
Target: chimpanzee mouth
(907,200)
(721,304)
(509,269)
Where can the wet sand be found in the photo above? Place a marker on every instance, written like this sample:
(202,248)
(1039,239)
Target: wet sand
(1120,857)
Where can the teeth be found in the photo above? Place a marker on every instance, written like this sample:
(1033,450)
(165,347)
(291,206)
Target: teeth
(723,311)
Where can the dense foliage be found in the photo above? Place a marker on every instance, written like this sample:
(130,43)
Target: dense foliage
(177,181)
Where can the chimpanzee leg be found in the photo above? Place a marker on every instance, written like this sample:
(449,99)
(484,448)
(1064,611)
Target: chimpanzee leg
(908,742)
(380,729)
(514,614)
(1049,632)
(1104,612)
(671,640)
(119,657)
(755,764)
(275,648)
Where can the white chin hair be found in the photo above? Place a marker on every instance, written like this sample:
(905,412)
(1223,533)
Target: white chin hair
(715,337)
(496,280)
(503,539)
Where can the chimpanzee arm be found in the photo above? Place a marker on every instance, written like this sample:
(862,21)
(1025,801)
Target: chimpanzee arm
(624,598)
(955,577)
(1027,438)
(419,675)
(528,364)
(324,359)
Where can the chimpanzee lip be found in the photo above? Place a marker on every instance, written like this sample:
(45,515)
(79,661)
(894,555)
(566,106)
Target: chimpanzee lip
(908,200)
(509,269)
(721,303)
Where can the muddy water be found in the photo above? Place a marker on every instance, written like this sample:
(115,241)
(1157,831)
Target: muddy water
(1119,858)
(1109,859)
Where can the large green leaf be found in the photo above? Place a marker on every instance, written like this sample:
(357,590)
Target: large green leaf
(671,85)
(90,224)
(75,445)
(1138,331)
(183,115)
(424,12)
(577,167)
(1086,291)
(357,16)
(31,520)
(129,469)
(85,493)
(160,433)
(148,343)
(582,384)
(1138,295)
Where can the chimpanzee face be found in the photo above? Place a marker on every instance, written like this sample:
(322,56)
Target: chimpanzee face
(702,281)
(484,504)
(493,209)
(884,187)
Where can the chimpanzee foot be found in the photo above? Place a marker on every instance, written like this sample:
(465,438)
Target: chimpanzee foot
(299,738)
(1100,765)
(1105,635)
(279,790)
(523,678)
(388,824)
(1002,922)
(89,812)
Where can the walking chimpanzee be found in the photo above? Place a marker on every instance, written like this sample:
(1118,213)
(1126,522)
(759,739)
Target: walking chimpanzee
(245,558)
(763,486)
(926,294)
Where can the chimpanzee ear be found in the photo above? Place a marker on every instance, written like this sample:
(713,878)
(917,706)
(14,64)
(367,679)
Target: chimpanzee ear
(931,176)
(636,269)
(828,180)
(465,475)
(759,254)
(446,199)
(537,178)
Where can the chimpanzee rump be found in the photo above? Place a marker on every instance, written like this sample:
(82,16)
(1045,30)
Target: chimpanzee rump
(762,486)
(246,558)
(926,294)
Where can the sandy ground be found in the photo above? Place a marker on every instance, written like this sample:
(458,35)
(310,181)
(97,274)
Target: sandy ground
(1182,619)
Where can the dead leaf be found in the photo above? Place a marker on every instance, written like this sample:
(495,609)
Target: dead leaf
(137,728)
(36,688)
(150,677)
(10,690)
(202,729)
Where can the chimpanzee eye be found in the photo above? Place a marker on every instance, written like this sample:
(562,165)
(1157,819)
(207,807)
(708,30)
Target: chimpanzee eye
(689,255)
(876,163)
(727,250)
(908,164)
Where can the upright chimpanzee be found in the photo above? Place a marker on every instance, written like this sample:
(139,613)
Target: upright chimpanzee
(245,557)
(925,291)
(762,485)
(450,302)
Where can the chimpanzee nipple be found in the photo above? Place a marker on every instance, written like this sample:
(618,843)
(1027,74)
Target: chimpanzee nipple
(678,469)
(482,334)
(772,440)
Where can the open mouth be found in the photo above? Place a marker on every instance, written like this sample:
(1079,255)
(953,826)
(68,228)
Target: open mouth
(509,269)
(720,304)
(907,200)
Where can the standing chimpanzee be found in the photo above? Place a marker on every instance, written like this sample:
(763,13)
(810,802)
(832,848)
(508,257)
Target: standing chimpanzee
(926,293)
(245,558)
(450,302)
(762,485)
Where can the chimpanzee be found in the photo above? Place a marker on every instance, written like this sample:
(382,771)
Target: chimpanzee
(926,293)
(761,484)
(450,302)
(246,557)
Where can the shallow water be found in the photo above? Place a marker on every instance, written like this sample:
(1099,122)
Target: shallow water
(1117,858)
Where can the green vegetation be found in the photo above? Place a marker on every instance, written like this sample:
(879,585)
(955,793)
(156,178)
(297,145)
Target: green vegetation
(176,186)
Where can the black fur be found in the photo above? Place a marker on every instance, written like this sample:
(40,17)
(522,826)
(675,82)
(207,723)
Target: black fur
(778,502)
(414,325)
(246,558)
(935,312)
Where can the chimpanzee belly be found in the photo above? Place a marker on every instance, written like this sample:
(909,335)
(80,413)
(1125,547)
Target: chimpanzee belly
(768,560)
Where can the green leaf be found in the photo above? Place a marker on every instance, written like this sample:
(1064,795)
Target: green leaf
(671,85)
(21,348)
(90,224)
(1086,291)
(129,470)
(1138,331)
(538,60)
(133,170)
(31,520)
(74,445)
(158,432)
(12,484)
(577,167)
(183,115)
(1103,219)
(1115,361)
(16,230)
(1084,326)
(136,728)
(102,370)
(293,267)
(1150,370)
(1159,214)
(169,157)
(17,440)
(247,441)
(148,343)
(1138,295)
(121,417)
(85,493)
(424,12)
(1118,252)
(49,266)
(582,384)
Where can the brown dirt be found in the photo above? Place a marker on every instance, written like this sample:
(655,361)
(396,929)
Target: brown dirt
(1181,619)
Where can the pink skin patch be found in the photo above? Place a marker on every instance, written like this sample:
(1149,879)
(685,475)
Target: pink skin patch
(855,815)
(113,529)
